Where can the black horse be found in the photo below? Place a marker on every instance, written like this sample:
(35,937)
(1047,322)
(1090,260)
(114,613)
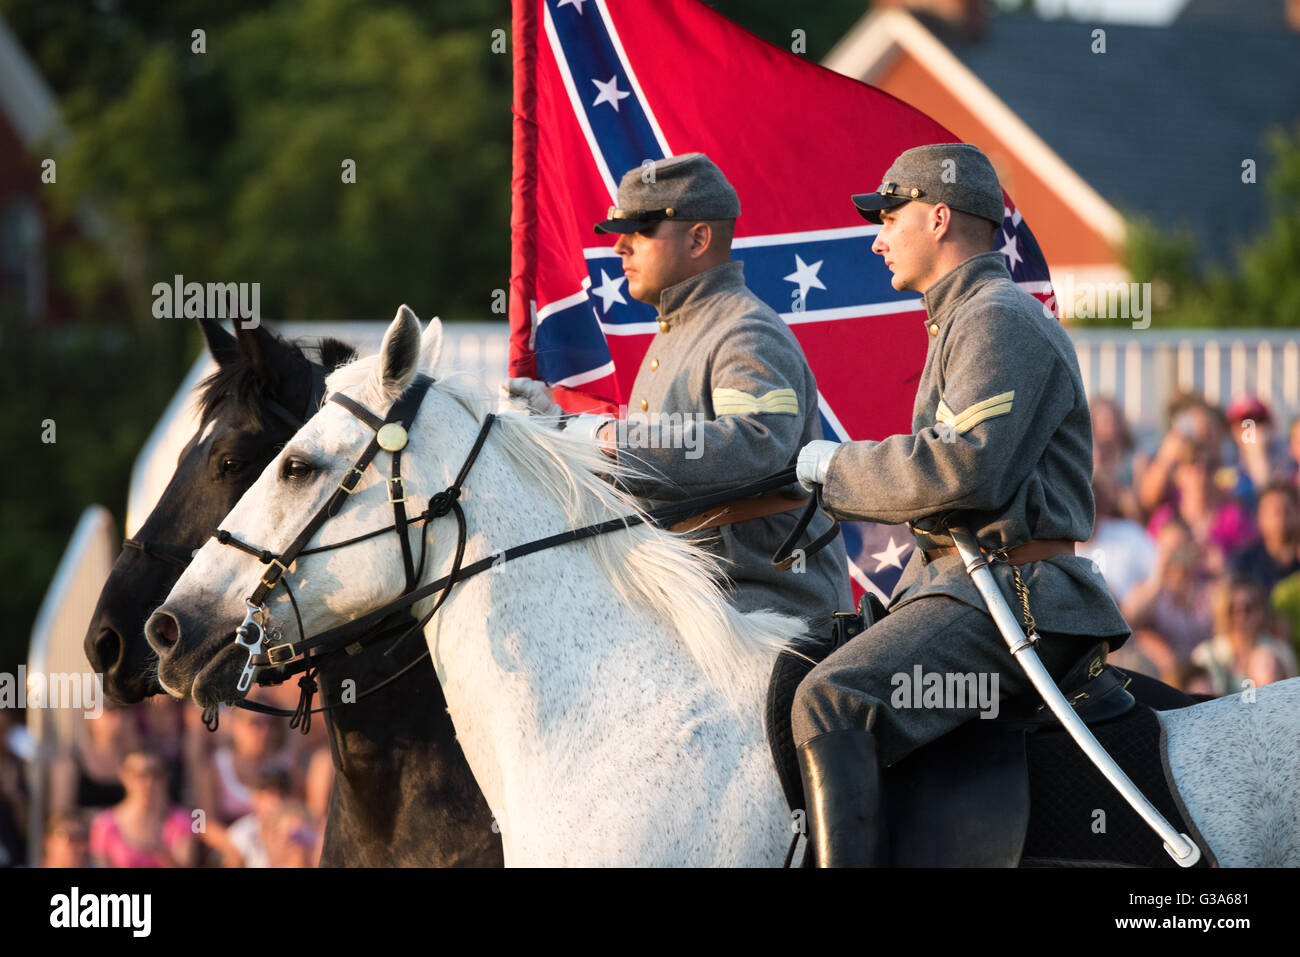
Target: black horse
(403,793)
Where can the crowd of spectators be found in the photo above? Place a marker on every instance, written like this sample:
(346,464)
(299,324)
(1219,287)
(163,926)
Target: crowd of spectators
(149,786)
(1200,542)
(1199,539)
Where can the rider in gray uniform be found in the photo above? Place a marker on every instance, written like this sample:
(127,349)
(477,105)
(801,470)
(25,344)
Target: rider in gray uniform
(724,394)
(1001,443)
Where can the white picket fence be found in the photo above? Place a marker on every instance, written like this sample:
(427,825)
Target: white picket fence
(1141,369)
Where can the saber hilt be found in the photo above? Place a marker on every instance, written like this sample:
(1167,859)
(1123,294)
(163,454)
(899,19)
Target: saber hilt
(1179,846)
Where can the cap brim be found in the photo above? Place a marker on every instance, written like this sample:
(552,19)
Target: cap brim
(870,204)
(620,226)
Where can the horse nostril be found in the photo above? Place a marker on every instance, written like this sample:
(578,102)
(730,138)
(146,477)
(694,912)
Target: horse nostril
(108,648)
(163,630)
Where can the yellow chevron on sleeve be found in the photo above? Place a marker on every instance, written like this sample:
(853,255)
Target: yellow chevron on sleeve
(975,414)
(735,402)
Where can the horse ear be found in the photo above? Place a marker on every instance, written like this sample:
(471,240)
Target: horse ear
(221,344)
(262,350)
(431,345)
(399,354)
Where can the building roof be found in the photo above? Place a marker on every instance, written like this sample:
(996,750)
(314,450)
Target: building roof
(25,98)
(1160,123)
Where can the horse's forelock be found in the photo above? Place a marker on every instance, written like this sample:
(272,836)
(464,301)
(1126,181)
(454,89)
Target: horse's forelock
(233,387)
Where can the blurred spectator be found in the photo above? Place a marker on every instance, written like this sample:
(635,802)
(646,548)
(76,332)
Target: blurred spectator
(143,829)
(320,782)
(86,777)
(224,775)
(1219,524)
(13,794)
(67,843)
(1115,457)
(1196,429)
(1277,554)
(250,836)
(1259,459)
(1121,549)
(1293,450)
(295,840)
(1286,610)
(1170,613)
(162,725)
(1241,651)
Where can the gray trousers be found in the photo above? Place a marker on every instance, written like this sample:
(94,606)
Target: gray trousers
(880,680)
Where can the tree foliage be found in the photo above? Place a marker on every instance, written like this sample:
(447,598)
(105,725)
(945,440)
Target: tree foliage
(1259,285)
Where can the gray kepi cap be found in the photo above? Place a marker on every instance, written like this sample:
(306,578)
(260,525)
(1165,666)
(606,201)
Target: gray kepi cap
(688,187)
(954,173)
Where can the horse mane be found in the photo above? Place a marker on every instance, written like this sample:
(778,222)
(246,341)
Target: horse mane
(646,565)
(236,382)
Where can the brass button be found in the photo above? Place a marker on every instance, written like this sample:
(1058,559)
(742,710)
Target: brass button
(915,192)
(654,365)
(934,328)
(663,325)
(669,211)
(645,404)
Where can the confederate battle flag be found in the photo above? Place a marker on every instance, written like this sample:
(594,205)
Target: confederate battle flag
(600,88)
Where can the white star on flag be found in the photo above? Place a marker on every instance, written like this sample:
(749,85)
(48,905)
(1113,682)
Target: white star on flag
(608,291)
(805,276)
(1011,249)
(890,555)
(609,93)
(574,3)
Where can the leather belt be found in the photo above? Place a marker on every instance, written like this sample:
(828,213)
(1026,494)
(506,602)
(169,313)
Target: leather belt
(1035,551)
(760,506)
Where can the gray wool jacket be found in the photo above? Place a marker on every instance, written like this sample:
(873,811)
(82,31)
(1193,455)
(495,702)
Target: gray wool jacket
(1001,443)
(725,396)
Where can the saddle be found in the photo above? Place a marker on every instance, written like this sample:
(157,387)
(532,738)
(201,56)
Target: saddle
(1014,790)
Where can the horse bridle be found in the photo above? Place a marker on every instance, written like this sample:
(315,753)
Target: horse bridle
(392,432)
(391,435)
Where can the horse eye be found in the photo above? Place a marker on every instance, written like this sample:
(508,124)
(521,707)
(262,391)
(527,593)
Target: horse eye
(231,466)
(297,469)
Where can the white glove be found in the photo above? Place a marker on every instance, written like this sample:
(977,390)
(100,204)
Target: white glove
(588,426)
(814,462)
(537,395)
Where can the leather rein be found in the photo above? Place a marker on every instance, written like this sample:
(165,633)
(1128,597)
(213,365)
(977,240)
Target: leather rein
(274,660)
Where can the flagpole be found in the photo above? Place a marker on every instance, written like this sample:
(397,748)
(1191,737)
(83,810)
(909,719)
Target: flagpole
(523,187)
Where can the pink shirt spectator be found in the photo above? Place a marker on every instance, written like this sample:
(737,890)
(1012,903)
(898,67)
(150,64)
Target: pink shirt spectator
(1231,531)
(108,844)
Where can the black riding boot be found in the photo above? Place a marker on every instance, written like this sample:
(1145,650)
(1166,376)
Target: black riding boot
(842,789)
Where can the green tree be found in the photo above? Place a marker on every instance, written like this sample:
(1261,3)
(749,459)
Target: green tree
(1259,286)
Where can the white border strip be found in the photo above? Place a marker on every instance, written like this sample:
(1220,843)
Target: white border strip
(629,328)
(772,239)
(832,418)
(558,52)
(631,76)
(859,576)
(591,375)
(556,305)
(852,312)
(809,236)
